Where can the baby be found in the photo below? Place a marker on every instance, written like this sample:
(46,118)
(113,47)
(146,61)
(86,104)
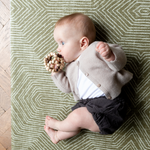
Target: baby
(94,74)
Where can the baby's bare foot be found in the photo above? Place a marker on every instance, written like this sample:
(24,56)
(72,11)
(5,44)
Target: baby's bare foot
(52,134)
(51,122)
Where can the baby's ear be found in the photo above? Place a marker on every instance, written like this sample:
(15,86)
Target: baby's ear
(84,43)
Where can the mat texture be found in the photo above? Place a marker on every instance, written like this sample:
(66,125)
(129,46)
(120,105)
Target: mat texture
(34,95)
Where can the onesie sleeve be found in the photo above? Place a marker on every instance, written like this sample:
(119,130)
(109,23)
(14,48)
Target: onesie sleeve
(62,82)
(120,58)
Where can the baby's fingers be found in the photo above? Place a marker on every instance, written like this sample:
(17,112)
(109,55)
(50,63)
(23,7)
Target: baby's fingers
(99,46)
(104,52)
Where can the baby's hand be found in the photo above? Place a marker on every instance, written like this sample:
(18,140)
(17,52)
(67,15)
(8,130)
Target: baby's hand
(105,51)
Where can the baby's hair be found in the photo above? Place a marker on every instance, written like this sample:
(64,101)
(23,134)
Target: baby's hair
(81,23)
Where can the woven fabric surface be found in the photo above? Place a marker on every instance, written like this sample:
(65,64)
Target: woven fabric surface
(34,95)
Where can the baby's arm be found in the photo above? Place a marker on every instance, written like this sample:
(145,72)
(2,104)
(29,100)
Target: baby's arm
(112,54)
(61,81)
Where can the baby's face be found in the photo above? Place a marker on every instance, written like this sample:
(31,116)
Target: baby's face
(68,42)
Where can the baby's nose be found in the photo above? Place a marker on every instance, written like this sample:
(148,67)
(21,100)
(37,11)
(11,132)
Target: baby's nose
(58,49)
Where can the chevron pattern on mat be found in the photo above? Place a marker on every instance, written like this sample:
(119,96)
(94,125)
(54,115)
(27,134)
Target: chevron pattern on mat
(34,95)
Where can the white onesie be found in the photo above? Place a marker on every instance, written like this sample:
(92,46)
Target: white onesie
(87,89)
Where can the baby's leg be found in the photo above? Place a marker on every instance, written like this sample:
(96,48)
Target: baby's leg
(57,136)
(78,119)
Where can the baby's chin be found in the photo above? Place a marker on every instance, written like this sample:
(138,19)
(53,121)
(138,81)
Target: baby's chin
(69,61)
(64,59)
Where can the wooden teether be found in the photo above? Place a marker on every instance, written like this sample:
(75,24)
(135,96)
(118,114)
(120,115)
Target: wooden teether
(54,62)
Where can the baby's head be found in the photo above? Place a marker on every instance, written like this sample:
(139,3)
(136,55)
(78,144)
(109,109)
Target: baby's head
(81,23)
(74,33)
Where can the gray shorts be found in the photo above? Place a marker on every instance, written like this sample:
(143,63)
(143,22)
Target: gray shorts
(108,114)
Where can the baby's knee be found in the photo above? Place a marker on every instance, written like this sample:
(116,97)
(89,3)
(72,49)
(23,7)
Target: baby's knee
(84,120)
(76,117)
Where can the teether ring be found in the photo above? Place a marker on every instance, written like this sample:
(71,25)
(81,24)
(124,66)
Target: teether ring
(54,62)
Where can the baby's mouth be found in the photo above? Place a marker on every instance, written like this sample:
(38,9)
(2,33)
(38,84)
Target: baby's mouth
(63,58)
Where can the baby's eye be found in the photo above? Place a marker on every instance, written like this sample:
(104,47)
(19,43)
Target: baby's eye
(62,43)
